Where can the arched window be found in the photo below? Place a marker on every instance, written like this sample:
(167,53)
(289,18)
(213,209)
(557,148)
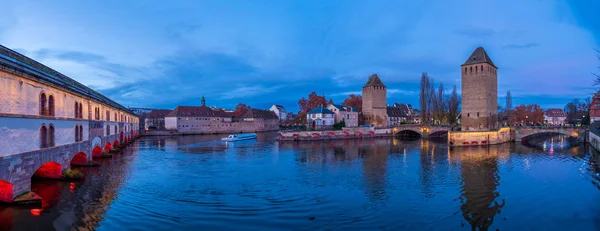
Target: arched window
(116,129)
(107,130)
(465,70)
(80,132)
(475,69)
(51,105)
(77,133)
(470,69)
(107,115)
(43,137)
(80,110)
(116,117)
(42,104)
(76,110)
(481,68)
(51,136)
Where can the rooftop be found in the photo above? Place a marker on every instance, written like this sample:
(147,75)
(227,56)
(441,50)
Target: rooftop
(555,112)
(374,81)
(320,110)
(258,113)
(15,62)
(158,113)
(479,56)
(198,111)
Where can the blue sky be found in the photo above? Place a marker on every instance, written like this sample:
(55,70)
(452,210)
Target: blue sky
(163,54)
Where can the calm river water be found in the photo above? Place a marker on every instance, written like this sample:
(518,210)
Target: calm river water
(199,183)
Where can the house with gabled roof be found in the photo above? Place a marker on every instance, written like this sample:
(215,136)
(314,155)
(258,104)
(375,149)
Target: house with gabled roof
(320,118)
(345,113)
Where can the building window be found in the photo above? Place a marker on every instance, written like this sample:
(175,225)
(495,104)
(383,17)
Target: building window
(80,132)
(51,105)
(107,115)
(76,110)
(43,104)
(477,114)
(51,136)
(43,137)
(116,129)
(80,110)
(77,132)
(107,130)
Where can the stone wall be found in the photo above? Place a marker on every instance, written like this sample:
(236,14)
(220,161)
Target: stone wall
(201,125)
(522,133)
(18,169)
(479,97)
(469,138)
(594,140)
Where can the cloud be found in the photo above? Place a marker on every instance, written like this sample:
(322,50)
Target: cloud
(517,46)
(263,53)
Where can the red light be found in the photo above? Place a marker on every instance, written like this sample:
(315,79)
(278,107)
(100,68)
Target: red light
(72,185)
(36,212)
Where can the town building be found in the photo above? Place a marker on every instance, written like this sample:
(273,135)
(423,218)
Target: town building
(279,111)
(595,108)
(397,116)
(155,120)
(261,120)
(206,120)
(555,116)
(479,93)
(50,122)
(141,113)
(320,118)
(344,113)
(374,106)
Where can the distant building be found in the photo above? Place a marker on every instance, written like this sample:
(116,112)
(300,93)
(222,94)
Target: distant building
(374,101)
(279,111)
(141,113)
(262,120)
(595,108)
(206,120)
(397,116)
(346,113)
(320,118)
(156,119)
(555,116)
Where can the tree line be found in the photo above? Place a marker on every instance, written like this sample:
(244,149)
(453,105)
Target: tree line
(437,107)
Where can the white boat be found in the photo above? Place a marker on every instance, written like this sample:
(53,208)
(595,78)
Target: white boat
(247,136)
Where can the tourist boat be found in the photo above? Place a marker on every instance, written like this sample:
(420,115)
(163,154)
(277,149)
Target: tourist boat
(248,136)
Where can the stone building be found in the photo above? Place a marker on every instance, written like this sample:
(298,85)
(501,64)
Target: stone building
(279,111)
(50,122)
(397,116)
(374,106)
(555,116)
(320,118)
(206,120)
(155,120)
(479,93)
(346,113)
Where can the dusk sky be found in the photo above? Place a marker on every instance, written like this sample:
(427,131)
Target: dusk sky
(161,54)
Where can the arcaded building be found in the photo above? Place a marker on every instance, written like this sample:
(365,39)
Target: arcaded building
(479,93)
(374,104)
(50,122)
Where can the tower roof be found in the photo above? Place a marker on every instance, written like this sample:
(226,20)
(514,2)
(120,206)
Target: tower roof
(374,81)
(479,56)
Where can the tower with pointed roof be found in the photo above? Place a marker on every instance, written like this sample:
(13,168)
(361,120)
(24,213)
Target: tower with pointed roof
(374,104)
(479,93)
(203,101)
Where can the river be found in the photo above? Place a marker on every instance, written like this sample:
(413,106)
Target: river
(200,183)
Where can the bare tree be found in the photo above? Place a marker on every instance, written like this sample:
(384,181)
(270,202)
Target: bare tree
(508,108)
(453,104)
(597,81)
(424,97)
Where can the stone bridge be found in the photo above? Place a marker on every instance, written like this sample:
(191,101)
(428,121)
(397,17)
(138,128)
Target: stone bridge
(422,130)
(523,133)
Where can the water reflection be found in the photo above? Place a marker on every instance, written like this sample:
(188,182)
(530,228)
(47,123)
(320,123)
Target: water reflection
(200,183)
(480,200)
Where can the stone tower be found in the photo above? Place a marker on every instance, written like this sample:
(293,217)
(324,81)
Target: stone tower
(479,93)
(374,104)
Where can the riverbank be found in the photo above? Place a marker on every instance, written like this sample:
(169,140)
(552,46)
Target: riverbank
(345,133)
(178,133)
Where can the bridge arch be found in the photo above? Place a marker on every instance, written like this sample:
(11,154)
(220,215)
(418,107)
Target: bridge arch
(79,159)
(408,133)
(97,151)
(52,170)
(6,191)
(108,147)
(440,133)
(524,134)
